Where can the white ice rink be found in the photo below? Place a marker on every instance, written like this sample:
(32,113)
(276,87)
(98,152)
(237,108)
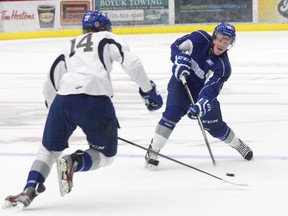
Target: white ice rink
(254,103)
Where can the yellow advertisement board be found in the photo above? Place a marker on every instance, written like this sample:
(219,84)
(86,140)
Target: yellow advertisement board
(273,11)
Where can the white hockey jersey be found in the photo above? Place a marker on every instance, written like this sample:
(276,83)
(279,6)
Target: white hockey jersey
(85,65)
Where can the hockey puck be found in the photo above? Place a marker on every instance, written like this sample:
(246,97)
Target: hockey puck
(230,174)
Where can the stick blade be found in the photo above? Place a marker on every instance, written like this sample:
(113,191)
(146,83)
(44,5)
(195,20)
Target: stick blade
(237,184)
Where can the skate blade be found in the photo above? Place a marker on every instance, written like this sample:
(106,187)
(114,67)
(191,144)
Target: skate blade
(63,184)
(149,166)
(13,205)
(7,204)
(64,187)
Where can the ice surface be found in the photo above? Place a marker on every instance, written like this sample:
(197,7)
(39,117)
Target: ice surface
(254,103)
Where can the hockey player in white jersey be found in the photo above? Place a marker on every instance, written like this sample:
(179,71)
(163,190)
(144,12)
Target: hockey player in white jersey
(78,92)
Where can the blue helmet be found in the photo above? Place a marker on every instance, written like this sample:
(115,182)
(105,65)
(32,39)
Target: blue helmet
(96,21)
(225,29)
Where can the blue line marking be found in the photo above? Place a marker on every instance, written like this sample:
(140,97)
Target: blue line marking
(260,157)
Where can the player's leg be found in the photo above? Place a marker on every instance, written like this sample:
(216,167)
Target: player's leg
(244,150)
(164,129)
(176,107)
(39,172)
(99,123)
(23,199)
(214,124)
(79,161)
(53,144)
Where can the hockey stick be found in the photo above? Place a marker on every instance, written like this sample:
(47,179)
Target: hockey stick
(181,163)
(184,82)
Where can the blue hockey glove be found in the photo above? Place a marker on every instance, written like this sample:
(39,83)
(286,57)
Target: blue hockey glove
(153,99)
(200,108)
(182,65)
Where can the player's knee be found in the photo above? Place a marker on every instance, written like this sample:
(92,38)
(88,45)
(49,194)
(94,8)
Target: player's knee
(172,115)
(47,156)
(106,161)
(220,132)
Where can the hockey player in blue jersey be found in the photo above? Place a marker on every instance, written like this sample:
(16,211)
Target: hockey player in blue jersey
(203,60)
(78,92)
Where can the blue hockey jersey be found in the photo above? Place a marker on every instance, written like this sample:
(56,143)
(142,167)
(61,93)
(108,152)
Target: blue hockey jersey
(209,72)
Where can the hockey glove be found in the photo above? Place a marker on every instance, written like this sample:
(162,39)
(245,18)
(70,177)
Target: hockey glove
(153,99)
(182,65)
(200,108)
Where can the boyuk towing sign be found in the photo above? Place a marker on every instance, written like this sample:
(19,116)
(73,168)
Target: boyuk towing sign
(135,12)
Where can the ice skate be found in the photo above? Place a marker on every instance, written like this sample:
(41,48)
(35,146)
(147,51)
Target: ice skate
(244,150)
(23,199)
(151,159)
(66,167)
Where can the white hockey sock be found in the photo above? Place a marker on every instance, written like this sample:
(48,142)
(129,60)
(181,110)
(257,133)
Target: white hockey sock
(160,137)
(158,142)
(44,160)
(98,159)
(232,139)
